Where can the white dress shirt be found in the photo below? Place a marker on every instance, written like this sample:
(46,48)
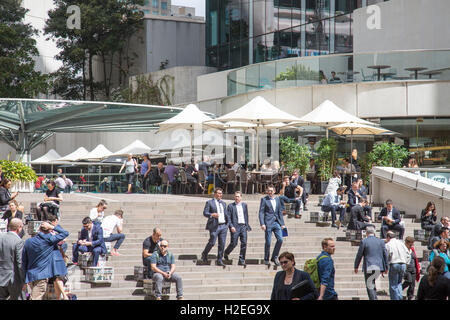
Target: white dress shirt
(220,211)
(389,215)
(240,213)
(274,204)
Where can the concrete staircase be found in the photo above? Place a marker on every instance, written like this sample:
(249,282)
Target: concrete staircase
(183,225)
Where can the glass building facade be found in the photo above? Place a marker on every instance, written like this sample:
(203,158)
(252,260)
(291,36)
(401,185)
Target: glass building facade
(243,32)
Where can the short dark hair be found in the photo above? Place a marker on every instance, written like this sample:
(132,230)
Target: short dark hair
(218,189)
(52,218)
(52,182)
(325,242)
(87,220)
(389,201)
(443,229)
(270,186)
(341,189)
(288,256)
(102,203)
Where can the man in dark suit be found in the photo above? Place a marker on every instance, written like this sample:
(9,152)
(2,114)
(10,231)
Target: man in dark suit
(37,256)
(358,220)
(355,197)
(238,213)
(271,220)
(391,220)
(91,240)
(443,234)
(218,223)
(12,278)
(375,260)
(444,222)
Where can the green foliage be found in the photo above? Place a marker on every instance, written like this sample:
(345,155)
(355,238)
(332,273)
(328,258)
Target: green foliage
(147,91)
(364,164)
(297,72)
(294,155)
(327,157)
(18,79)
(18,171)
(387,155)
(106,29)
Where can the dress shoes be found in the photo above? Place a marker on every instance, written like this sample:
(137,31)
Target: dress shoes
(204,259)
(241,263)
(275,261)
(226,257)
(220,264)
(266,262)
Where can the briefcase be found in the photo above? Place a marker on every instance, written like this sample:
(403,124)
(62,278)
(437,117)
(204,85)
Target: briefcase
(301,289)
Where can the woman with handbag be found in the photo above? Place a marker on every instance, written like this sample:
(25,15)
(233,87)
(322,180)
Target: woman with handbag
(131,168)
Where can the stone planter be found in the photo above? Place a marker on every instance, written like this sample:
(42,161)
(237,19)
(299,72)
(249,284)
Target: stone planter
(22,186)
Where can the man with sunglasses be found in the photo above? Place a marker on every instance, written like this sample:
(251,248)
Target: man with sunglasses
(91,240)
(218,223)
(271,220)
(163,268)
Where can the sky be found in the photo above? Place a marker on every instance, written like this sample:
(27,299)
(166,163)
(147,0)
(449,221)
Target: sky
(199,5)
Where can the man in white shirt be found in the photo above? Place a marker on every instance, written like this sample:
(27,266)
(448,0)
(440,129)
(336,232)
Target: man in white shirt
(218,222)
(399,257)
(98,212)
(60,184)
(239,225)
(108,225)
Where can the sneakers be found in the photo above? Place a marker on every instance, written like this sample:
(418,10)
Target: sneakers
(275,261)
(158,298)
(180,298)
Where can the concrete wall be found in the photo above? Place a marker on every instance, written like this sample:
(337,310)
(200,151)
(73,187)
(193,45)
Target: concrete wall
(410,192)
(405,25)
(181,42)
(185,81)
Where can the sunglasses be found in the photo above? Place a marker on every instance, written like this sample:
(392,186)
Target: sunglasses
(284,262)
(163,246)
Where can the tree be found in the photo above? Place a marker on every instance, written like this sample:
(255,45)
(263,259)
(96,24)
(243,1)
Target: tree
(294,155)
(106,29)
(387,155)
(327,157)
(18,79)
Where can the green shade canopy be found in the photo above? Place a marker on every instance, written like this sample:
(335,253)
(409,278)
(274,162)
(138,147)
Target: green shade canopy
(25,123)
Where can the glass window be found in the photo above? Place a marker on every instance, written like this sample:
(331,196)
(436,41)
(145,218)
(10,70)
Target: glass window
(267,76)
(296,14)
(317,10)
(164,5)
(323,33)
(273,46)
(259,49)
(286,73)
(155,12)
(307,71)
(244,25)
(285,15)
(212,59)
(212,23)
(296,43)
(231,88)
(271,17)
(240,81)
(235,20)
(155,4)
(235,54)
(224,57)
(252,78)
(285,43)
(259,17)
(244,52)
(224,21)
(342,34)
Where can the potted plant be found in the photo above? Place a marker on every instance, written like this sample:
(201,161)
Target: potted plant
(387,155)
(327,160)
(22,176)
(296,157)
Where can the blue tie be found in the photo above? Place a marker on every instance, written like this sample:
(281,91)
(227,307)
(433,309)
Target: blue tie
(336,199)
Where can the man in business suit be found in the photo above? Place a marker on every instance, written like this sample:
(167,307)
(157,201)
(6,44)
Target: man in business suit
(391,220)
(299,181)
(37,256)
(12,278)
(358,220)
(218,222)
(333,203)
(271,220)
(238,213)
(91,240)
(373,250)
(355,197)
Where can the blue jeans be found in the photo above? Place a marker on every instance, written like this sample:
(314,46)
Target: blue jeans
(276,229)
(116,236)
(297,202)
(96,252)
(396,273)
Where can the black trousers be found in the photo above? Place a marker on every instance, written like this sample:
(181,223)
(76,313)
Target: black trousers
(241,233)
(410,283)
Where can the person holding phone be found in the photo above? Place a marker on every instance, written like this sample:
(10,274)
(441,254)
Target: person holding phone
(428,217)
(5,195)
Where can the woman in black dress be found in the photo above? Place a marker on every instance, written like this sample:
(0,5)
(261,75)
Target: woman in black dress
(428,217)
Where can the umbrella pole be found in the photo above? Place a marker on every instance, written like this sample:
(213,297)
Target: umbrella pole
(257,149)
(190,150)
(326,132)
(351,159)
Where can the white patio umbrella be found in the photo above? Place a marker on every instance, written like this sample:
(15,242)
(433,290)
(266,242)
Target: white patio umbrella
(77,154)
(136,147)
(97,154)
(260,113)
(188,119)
(351,128)
(50,156)
(328,114)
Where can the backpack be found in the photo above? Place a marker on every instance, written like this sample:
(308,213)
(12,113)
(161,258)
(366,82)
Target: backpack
(311,267)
